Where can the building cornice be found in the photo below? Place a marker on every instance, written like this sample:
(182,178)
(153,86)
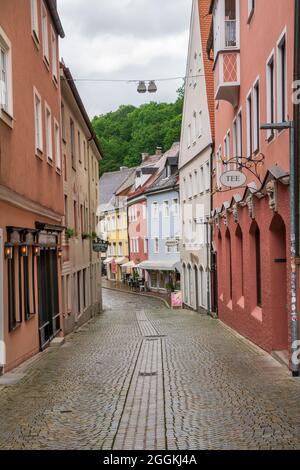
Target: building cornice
(21,202)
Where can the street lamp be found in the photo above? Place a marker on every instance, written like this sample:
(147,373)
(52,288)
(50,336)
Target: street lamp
(294,314)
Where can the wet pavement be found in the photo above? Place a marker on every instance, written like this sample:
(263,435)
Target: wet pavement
(142,376)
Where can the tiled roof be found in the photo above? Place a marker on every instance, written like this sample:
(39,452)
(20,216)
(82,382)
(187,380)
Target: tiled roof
(158,162)
(110,182)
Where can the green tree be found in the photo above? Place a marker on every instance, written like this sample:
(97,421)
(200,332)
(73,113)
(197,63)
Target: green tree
(128,132)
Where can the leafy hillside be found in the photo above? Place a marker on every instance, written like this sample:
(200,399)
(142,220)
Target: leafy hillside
(129,131)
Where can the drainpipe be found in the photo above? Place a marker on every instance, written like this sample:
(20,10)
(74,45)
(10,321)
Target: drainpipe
(210,254)
(296,112)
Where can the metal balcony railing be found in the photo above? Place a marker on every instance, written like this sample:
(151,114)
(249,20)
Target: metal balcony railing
(230,33)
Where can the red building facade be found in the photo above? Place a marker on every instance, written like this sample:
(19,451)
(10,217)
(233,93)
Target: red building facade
(31,182)
(253,85)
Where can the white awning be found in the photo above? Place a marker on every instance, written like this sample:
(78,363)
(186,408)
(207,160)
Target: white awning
(108,260)
(159,265)
(130,264)
(121,260)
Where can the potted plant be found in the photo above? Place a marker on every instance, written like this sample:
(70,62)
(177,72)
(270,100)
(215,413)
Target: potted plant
(70,233)
(170,287)
(86,236)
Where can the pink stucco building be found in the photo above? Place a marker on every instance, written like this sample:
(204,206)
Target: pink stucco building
(253,48)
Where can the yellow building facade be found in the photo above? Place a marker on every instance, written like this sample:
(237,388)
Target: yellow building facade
(115,231)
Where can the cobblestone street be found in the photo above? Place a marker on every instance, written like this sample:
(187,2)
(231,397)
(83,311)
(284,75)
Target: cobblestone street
(143,376)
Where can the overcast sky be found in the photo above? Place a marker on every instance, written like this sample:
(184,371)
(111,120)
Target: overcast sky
(124,39)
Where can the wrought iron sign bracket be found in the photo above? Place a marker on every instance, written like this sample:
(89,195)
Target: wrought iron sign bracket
(250,164)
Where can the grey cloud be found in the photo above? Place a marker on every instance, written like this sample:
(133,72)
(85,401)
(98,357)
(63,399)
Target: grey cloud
(140,18)
(154,56)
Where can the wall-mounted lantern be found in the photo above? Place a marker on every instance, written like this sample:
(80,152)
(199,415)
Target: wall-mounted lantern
(36,250)
(24,250)
(8,251)
(59,253)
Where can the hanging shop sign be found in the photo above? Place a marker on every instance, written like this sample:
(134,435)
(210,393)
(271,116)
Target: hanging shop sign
(233,179)
(100,246)
(172,242)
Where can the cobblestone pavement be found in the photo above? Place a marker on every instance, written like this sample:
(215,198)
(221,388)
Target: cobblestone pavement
(142,376)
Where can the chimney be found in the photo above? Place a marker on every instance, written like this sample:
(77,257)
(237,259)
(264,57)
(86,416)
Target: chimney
(158,151)
(122,168)
(145,156)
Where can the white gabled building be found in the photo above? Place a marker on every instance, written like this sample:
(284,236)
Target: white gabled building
(195,163)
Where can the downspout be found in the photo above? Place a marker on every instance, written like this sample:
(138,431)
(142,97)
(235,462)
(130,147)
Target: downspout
(296,113)
(210,254)
(295,202)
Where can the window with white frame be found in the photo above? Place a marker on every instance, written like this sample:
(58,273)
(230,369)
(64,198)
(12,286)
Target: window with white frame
(166,209)
(175,207)
(227,146)
(195,183)
(207,176)
(234,126)
(281,80)
(195,126)
(189,135)
(145,246)
(201,179)
(57,145)
(218,167)
(156,245)
(239,137)
(54,54)
(85,154)
(251,7)
(48,125)
(256,120)
(34,19)
(144,211)
(184,196)
(154,210)
(200,125)
(249,125)
(79,146)
(120,249)
(270,93)
(5,74)
(190,188)
(38,122)
(45,33)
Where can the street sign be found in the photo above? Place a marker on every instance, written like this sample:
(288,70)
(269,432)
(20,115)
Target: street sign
(233,179)
(99,246)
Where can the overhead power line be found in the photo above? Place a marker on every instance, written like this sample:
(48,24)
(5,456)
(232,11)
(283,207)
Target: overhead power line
(131,80)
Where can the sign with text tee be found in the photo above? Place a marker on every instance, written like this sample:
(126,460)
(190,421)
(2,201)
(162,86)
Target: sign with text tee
(233,179)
